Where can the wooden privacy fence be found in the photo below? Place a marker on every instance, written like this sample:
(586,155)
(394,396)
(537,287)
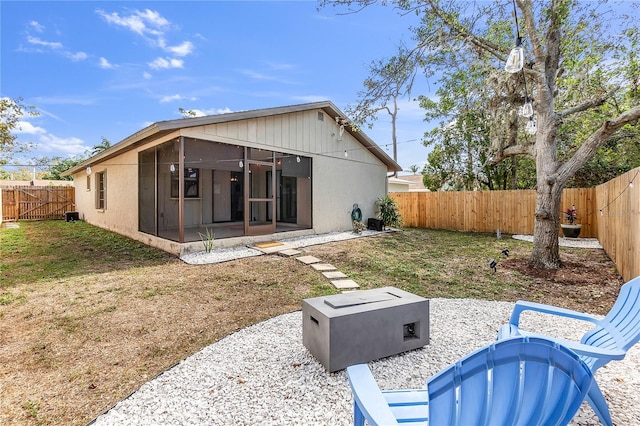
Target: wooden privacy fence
(36,202)
(511,212)
(610,212)
(618,204)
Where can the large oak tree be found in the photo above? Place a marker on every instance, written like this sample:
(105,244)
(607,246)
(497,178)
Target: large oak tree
(580,58)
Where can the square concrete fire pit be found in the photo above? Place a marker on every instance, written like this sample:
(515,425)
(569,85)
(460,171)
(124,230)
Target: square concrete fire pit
(352,328)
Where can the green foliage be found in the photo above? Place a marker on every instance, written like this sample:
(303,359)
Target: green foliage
(207,239)
(104,144)
(388,212)
(414,168)
(32,408)
(187,113)
(55,166)
(11,112)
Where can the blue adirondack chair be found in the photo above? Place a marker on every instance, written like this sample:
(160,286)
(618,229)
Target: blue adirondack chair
(610,339)
(517,381)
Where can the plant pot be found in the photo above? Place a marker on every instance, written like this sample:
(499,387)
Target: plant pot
(571,231)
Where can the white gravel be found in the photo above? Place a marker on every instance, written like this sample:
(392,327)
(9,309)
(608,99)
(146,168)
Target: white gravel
(567,242)
(264,375)
(231,253)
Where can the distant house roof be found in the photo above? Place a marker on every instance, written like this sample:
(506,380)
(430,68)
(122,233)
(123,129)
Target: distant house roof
(417,184)
(399,181)
(161,128)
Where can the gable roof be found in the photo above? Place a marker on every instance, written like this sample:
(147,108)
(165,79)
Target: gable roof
(161,128)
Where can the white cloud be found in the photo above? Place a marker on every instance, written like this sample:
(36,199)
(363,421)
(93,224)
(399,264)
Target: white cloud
(153,17)
(183,49)
(171,98)
(310,98)
(78,56)
(57,47)
(52,144)
(146,75)
(152,26)
(162,63)
(38,42)
(105,64)
(25,127)
(142,23)
(36,26)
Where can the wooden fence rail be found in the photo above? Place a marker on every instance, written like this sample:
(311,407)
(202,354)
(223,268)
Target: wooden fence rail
(36,203)
(609,212)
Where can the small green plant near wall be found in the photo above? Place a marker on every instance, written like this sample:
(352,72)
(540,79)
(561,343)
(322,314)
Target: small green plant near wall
(207,239)
(388,212)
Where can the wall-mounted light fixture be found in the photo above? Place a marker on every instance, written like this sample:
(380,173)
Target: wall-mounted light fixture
(88,170)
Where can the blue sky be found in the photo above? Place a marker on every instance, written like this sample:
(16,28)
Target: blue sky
(108,69)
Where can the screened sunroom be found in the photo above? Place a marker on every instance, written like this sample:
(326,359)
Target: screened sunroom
(227,190)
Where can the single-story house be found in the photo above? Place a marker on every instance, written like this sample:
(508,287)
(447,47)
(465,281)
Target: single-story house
(398,185)
(416,183)
(245,176)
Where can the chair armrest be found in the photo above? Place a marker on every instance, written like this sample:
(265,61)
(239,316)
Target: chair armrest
(522,306)
(367,396)
(592,351)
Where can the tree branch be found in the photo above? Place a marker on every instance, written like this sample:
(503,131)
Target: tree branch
(595,141)
(587,105)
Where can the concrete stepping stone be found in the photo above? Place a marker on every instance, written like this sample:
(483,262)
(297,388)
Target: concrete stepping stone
(308,260)
(323,267)
(289,252)
(344,284)
(271,247)
(332,275)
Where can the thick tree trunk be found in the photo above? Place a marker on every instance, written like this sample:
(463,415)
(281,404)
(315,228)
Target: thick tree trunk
(545,253)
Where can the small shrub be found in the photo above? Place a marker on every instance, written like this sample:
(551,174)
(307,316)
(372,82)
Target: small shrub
(207,240)
(388,212)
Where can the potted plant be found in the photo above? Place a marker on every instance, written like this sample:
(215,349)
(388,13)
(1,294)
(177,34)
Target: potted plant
(388,212)
(572,228)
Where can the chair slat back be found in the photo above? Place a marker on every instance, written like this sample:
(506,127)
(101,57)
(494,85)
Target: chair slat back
(514,381)
(623,320)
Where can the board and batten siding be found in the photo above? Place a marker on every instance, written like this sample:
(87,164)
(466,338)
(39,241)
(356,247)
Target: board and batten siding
(299,133)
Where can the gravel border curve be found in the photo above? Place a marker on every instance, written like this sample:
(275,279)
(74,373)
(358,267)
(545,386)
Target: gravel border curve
(264,375)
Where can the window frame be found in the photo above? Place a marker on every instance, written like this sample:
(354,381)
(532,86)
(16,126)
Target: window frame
(101,190)
(191,183)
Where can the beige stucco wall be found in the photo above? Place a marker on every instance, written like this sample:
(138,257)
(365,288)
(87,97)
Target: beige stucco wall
(338,181)
(121,212)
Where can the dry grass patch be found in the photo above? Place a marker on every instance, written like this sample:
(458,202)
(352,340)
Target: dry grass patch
(87,317)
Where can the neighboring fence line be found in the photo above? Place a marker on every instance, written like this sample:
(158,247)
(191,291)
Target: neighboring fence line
(617,227)
(618,207)
(36,202)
